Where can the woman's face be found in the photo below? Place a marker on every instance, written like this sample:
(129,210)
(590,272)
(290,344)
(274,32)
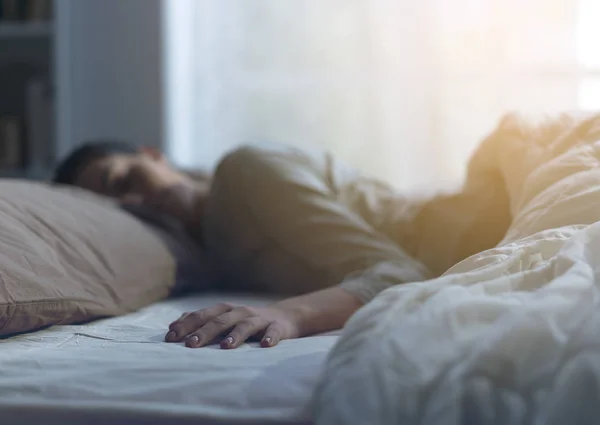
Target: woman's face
(128,177)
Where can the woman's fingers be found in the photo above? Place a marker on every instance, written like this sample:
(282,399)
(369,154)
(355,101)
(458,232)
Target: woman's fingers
(202,327)
(176,201)
(187,324)
(217,326)
(133,199)
(244,330)
(272,335)
(164,201)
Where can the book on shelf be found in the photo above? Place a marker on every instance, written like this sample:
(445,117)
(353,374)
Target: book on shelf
(39,124)
(25,10)
(11,142)
(27,136)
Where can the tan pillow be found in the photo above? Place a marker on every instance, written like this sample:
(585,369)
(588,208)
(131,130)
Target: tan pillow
(68,256)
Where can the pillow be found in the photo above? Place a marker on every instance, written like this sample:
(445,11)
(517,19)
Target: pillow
(69,256)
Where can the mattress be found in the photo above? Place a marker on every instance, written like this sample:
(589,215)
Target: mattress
(120,371)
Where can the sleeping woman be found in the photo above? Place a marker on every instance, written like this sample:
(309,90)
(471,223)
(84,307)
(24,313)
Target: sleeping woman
(271,218)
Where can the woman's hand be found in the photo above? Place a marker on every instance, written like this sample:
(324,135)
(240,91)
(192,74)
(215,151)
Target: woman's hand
(309,314)
(235,324)
(179,201)
(183,201)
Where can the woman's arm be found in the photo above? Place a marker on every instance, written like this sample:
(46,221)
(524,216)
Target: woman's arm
(321,311)
(296,317)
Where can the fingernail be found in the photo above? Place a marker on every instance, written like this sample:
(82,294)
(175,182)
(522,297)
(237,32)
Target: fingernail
(266,342)
(171,335)
(227,341)
(193,340)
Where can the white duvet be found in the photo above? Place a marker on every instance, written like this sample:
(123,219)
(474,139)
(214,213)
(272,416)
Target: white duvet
(508,336)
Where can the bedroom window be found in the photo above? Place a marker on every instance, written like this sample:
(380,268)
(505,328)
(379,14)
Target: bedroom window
(402,89)
(588,55)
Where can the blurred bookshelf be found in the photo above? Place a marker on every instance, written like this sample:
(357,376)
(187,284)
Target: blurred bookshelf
(27,100)
(10,31)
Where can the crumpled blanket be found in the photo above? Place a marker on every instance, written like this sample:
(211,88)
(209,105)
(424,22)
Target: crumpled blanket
(510,335)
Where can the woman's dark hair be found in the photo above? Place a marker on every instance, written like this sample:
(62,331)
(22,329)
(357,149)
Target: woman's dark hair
(69,168)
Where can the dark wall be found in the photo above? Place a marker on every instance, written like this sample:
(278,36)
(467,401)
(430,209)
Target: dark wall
(114,71)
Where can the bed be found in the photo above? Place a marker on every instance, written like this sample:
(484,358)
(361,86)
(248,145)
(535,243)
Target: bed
(119,371)
(508,335)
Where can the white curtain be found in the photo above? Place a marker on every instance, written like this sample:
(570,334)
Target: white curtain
(403,89)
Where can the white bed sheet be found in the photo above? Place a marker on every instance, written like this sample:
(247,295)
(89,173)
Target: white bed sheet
(119,371)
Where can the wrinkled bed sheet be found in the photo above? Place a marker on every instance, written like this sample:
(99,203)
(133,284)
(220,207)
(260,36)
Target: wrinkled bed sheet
(119,371)
(508,336)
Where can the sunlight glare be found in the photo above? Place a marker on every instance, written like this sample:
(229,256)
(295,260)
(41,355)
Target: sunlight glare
(588,34)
